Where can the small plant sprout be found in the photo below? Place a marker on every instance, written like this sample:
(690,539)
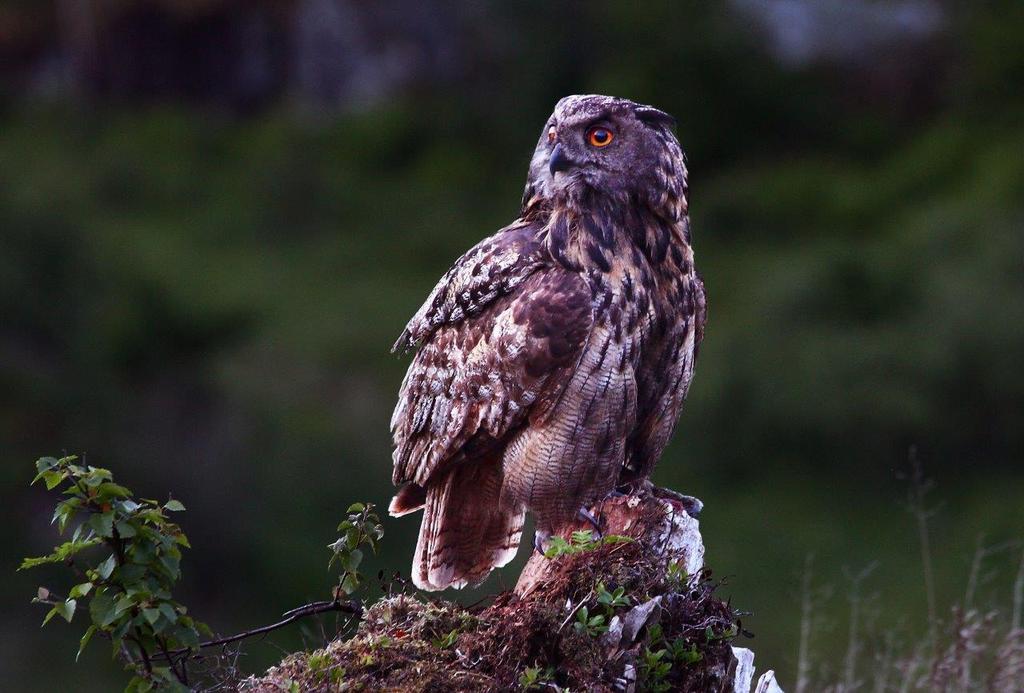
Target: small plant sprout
(580,542)
(676,574)
(654,670)
(590,625)
(611,600)
(362,528)
(534,677)
(447,640)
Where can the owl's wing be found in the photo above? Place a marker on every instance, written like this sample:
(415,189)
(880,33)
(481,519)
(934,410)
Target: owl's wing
(492,268)
(485,368)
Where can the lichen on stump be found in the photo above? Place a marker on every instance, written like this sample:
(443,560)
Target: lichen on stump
(608,616)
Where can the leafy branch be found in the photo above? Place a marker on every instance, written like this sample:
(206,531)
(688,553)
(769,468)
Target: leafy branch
(126,555)
(128,590)
(361,528)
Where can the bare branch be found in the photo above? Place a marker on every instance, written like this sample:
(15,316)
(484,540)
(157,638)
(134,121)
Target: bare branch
(351,607)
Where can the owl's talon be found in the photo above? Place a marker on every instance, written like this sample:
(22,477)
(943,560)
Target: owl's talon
(592,519)
(691,504)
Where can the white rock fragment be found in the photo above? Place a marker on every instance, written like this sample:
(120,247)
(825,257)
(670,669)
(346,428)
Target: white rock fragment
(682,538)
(745,674)
(767,683)
(744,669)
(627,682)
(613,636)
(637,617)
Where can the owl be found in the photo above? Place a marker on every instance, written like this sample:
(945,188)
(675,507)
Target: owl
(553,358)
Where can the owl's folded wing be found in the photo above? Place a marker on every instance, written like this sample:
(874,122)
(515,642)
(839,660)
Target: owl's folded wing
(483,369)
(492,268)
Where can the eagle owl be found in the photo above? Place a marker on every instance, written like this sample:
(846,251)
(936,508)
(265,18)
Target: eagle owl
(553,357)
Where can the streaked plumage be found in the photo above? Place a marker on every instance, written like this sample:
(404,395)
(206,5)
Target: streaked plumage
(554,357)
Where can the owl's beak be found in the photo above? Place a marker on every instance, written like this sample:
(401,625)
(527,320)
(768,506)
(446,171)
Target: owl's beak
(559,161)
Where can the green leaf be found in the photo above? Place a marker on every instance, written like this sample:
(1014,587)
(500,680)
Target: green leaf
(616,539)
(67,609)
(85,640)
(44,463)
(139,684)
(186,636)
(584,536)
(169,612)
(125,530)
(109,490)
(127,506)
(63,512)
(52,479)
(53,612)
(103,524)
(350,583)
(94,476)
(353,560)
(122,604)
(27,563)
(60,553)
(107,567)
(80,590)
(174,506)
(151,615)
(101,608)
(170,564)
(131,573)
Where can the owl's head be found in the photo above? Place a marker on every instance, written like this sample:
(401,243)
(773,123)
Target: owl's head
(605,144)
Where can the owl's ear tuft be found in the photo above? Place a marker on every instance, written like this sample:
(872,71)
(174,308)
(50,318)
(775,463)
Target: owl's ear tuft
(654,116)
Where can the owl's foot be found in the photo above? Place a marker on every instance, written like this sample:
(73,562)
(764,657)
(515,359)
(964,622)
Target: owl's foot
(691,504)
(591,519)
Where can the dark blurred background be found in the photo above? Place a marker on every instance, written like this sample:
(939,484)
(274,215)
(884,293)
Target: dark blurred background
(216,216)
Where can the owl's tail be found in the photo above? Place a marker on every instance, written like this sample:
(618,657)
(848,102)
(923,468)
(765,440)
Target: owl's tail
(469,528)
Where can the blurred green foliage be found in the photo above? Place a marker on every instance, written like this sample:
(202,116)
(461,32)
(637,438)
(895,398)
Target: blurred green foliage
(206,301)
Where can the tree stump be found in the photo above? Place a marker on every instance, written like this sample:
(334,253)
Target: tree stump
(659,521)
(608,614)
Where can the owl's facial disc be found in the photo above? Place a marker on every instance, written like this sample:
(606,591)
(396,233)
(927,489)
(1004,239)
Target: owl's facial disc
(599,144)
(583,151)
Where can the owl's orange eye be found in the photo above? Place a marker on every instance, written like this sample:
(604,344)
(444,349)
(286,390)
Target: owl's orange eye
(551,134)
(600,137)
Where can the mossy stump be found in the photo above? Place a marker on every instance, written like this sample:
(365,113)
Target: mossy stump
(605,615)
